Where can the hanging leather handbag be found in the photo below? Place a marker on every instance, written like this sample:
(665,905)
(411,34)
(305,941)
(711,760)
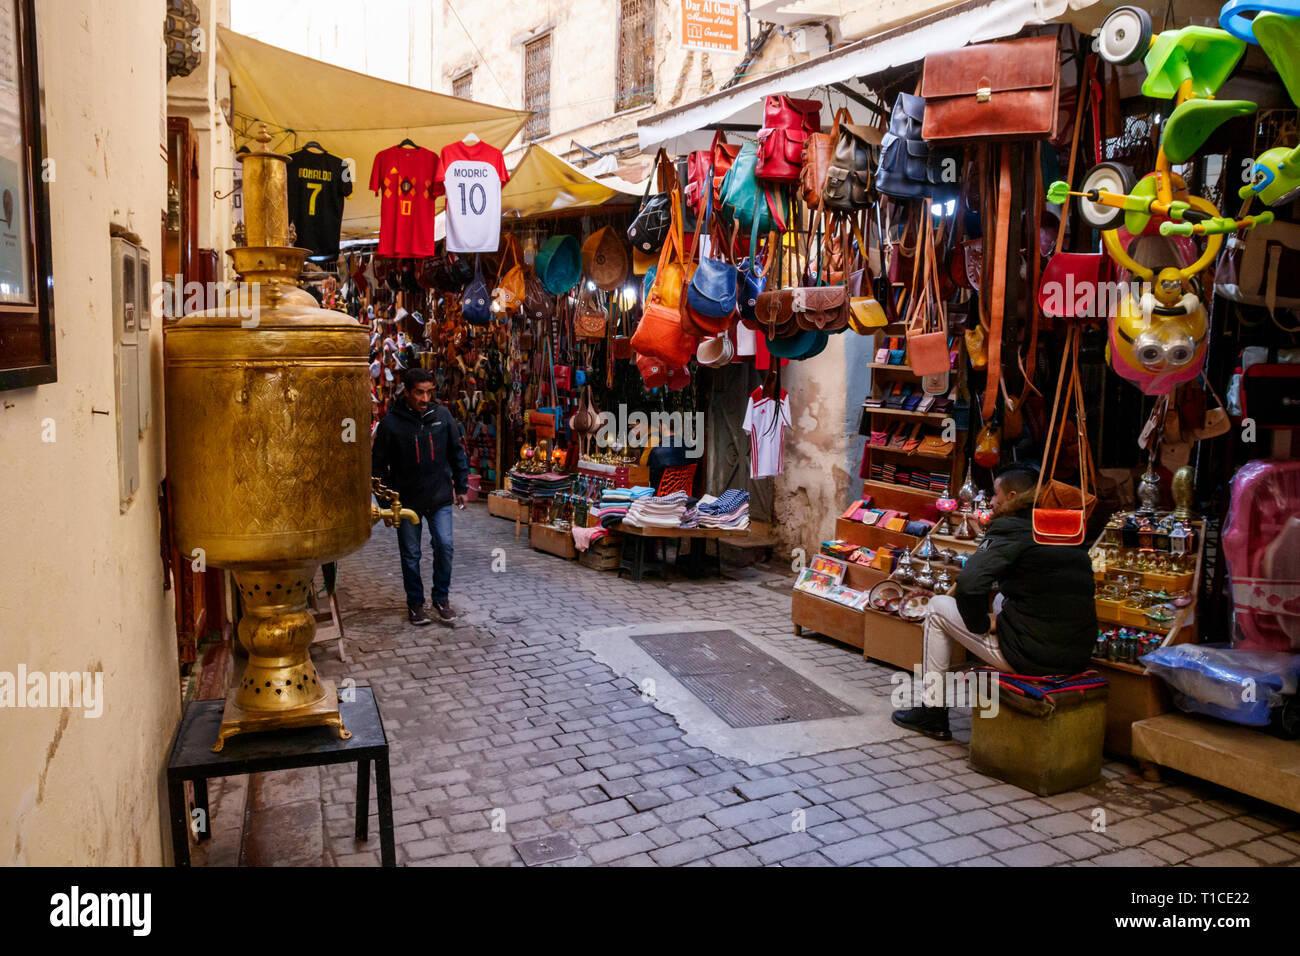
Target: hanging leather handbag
(654,372)
(744,199)
(711,293)
(909,168)
(815,164)
(708,165)
(538,303)
(508,295)
(620,346)
(751,278)
(817,305)
(650,226)
(1009,90)
(476,301)
(927,321)
(589,319)
(787,123)
(848,174)
(865,311)
(660,333)
(1061,509)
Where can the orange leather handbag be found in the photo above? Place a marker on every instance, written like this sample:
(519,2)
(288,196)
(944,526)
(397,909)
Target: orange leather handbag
(1061,509)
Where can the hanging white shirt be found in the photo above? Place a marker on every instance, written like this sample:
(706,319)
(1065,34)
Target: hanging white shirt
(471,177)
(766,421)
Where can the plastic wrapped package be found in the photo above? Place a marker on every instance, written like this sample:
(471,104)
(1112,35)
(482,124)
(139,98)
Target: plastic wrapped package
(1226,682)
(1261,544)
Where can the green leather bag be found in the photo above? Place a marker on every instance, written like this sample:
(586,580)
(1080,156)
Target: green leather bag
(744,198)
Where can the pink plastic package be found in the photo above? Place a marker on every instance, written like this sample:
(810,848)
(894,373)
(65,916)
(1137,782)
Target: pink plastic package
(1261,543)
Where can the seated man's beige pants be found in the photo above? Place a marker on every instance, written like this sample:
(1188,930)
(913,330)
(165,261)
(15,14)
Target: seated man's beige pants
(944,627)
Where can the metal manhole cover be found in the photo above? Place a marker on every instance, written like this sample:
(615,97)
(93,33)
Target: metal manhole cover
(738,682)
(780,584)
(547,849)
(507,617)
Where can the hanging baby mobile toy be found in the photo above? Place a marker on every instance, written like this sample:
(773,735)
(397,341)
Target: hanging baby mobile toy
(1158,331)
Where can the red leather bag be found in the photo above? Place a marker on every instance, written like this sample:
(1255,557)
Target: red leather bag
(719,156)
(787,122)
(786,112)
(654,372)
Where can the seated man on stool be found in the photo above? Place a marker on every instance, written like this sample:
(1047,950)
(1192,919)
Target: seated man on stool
(1044,620)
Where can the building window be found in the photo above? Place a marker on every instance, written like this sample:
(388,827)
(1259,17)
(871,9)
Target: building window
(463,86)
(26,308)
(636,54)
(537,87)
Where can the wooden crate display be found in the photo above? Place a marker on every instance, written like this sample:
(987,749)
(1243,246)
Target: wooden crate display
(604,554)
(552,540)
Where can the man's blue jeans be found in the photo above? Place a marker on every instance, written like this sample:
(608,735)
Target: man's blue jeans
(408,543)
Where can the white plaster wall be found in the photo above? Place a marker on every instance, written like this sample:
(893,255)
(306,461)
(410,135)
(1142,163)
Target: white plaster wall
(80,583)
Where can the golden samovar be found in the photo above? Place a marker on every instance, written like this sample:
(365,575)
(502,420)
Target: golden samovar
(268,454)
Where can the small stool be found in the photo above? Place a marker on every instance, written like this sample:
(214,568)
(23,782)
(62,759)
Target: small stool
(192,759)
(1046,745)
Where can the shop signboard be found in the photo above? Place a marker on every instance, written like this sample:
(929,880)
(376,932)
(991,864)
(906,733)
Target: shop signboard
(712,26)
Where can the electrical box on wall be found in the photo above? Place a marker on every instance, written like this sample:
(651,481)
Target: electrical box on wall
(126,364)
(144,349)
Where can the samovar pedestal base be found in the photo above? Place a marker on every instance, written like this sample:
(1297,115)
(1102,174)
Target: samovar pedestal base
(324,713)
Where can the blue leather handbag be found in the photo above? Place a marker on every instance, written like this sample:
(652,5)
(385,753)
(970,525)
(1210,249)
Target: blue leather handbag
(711,292)
(476,301)
(750,280)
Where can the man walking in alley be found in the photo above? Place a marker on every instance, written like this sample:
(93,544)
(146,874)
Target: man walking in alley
(417,453)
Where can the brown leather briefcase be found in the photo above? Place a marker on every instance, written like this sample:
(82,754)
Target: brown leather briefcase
(996,91)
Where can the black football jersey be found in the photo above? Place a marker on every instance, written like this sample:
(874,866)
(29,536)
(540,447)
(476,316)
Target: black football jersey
(318,184)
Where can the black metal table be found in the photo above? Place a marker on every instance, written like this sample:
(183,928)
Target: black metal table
(192,759)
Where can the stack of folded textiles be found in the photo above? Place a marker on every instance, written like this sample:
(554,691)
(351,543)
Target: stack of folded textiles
(612,506)
(730,510)
(647,511)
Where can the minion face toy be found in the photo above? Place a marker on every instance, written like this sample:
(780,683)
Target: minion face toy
(1275,177)
(1158,340)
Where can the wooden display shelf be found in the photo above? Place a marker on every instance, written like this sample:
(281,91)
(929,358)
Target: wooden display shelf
(903,498)
(904,413)
(891,640)
(1240,758)
(808,612)
(552,540)
(948,541)
(882,450)
(885,366)
(872,536)
(1135,695)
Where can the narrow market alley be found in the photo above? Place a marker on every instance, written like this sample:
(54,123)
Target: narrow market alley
(509,738)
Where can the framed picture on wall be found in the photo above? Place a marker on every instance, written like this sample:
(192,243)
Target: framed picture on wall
(26,277)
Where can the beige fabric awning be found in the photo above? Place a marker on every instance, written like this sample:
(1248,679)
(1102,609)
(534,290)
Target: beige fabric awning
(352,115)
(544,183)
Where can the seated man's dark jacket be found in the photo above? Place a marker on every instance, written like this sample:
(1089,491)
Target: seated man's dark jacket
(420,457)
(1048,621)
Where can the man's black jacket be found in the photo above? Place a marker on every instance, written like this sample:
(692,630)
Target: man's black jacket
(1048,621)
(420,457)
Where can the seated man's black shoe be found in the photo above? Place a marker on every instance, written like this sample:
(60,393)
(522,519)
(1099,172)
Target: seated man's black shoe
(931,721)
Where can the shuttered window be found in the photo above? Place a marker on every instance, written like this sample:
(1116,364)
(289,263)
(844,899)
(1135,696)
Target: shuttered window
(636,53)
(537,87)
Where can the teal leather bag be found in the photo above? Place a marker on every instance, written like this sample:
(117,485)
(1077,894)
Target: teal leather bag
(744,198)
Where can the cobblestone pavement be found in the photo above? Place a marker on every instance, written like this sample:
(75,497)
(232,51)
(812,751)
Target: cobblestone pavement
(505,719)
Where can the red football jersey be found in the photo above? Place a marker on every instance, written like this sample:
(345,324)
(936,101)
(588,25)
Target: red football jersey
(406,180)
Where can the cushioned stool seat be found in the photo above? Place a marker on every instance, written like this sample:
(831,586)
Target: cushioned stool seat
(1047,734)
